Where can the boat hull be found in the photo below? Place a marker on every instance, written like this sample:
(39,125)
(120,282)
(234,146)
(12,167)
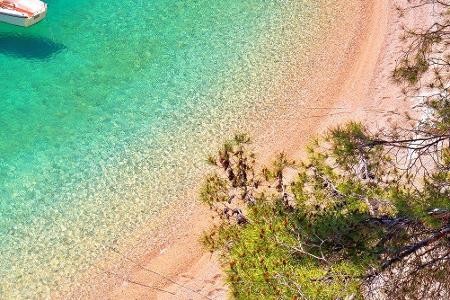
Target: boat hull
(24,22)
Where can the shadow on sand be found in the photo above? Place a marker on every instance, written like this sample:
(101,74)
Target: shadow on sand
(29,47)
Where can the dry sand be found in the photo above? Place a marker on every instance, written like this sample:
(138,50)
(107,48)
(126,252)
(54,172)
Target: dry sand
(357,86)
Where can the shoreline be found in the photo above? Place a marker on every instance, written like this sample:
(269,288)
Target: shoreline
(181,258)
(359,89)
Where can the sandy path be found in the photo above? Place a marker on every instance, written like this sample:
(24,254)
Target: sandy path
(360,88)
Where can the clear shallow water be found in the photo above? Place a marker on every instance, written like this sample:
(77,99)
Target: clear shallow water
(107,110)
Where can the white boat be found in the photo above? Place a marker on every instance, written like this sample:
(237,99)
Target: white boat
(22,12)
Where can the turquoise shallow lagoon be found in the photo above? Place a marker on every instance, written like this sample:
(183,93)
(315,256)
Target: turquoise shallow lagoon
(107,109)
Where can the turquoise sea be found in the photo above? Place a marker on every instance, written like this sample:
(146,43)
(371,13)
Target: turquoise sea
(107,109)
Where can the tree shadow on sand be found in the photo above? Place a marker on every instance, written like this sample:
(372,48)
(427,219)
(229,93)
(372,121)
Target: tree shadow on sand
(29,47)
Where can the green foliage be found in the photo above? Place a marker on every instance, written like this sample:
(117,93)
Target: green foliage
(411,71)
(318,245)
(263,262)
(319,236)
(215,189)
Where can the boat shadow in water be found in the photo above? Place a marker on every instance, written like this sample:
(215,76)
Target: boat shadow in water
(29,47)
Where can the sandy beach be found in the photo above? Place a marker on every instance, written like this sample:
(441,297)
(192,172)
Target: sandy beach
(355,62)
